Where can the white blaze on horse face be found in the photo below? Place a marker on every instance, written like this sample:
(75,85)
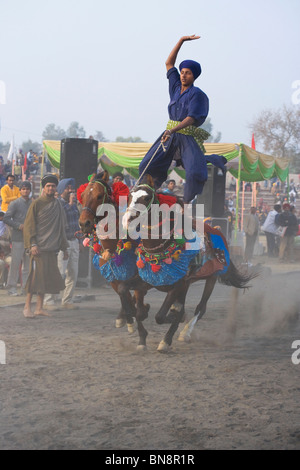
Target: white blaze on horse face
(131,210)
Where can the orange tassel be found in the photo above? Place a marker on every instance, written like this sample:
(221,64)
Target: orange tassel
(106,255)
(140,263)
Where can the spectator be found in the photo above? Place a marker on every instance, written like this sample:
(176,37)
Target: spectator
(289,222)
(68,268)
(9,192)
(14,217)
(2,173)
(270,228)
(229,217)
(118,176)
(5,250)
(251,227)
(44,236)
(170,187)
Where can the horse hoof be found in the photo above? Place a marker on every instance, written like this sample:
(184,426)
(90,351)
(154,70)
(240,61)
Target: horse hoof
(184,337)
(131,328)
(141,347)
(176,307)
(120,322)
(163,347)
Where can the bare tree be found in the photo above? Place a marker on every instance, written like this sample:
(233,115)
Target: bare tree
(278,131)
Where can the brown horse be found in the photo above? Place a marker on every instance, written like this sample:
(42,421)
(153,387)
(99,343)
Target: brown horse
(144,196)
(96,194)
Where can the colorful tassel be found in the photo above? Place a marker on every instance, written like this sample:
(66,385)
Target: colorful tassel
(140,264)
(86,242)
(118,260)
(155,267)
(97,247)
(106,255)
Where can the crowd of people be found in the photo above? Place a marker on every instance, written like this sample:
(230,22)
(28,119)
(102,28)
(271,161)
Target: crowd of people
(38,245)
(24,165)
(279,223)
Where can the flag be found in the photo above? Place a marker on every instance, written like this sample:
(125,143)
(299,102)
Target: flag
(25,162)
(253,201)
(11,157)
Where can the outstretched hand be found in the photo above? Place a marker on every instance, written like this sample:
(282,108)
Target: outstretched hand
(190,38)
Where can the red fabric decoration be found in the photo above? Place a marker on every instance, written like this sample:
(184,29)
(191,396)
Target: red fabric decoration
(97,247)
(119,189)
(80,191)
(155,267)
(166,199)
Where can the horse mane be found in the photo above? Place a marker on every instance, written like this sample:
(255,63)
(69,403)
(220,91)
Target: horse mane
(99,178)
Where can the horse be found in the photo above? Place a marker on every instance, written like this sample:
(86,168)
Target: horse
(95,194)
(92,196)
(142,199)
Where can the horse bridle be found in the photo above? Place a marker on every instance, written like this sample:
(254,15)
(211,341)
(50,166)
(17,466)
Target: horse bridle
(153,198)
(106,194)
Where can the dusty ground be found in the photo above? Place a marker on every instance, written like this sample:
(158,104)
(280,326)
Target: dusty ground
(74,381)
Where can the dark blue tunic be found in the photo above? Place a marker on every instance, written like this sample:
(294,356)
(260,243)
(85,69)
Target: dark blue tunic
(193,103)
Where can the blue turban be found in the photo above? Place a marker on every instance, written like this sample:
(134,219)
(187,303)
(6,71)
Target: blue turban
(195,67)
(63,184)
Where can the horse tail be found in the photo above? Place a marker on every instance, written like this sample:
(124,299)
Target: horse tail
(234,277)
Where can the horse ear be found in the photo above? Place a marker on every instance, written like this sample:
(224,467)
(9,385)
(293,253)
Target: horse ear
(149,180)
(92,178)
(105,176)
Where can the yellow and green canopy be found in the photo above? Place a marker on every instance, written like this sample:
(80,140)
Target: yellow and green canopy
(117,156)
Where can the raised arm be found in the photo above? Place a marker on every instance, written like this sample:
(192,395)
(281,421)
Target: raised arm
(170,62)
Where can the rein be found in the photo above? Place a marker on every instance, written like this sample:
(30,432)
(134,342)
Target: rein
(143,172)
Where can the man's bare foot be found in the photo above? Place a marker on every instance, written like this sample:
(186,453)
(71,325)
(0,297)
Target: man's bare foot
(43,313)
(28,313)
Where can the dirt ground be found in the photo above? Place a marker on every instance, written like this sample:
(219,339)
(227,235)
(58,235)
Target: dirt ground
(74,381)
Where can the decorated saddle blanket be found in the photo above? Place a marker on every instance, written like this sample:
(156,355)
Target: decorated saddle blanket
(210,255)
(122,264)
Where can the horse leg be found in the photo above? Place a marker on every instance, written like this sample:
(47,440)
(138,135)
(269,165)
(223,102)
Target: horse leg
(178,305)
(127,305)
(175,317)
(165,345)
(161,316)
(141,308)
(121,318)
(185,334)
(141,314)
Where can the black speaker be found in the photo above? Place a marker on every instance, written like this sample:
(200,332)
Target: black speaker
(213,194)
(78,159)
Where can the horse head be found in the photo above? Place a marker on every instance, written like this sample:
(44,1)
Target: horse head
(93,197)
(141,197)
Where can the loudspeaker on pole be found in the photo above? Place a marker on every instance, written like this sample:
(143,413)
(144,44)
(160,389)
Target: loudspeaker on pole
(78,159)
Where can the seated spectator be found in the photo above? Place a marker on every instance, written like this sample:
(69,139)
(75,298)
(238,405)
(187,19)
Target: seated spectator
(5,251)
(170,187)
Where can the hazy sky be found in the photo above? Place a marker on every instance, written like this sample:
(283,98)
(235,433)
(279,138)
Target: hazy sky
(103,63)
